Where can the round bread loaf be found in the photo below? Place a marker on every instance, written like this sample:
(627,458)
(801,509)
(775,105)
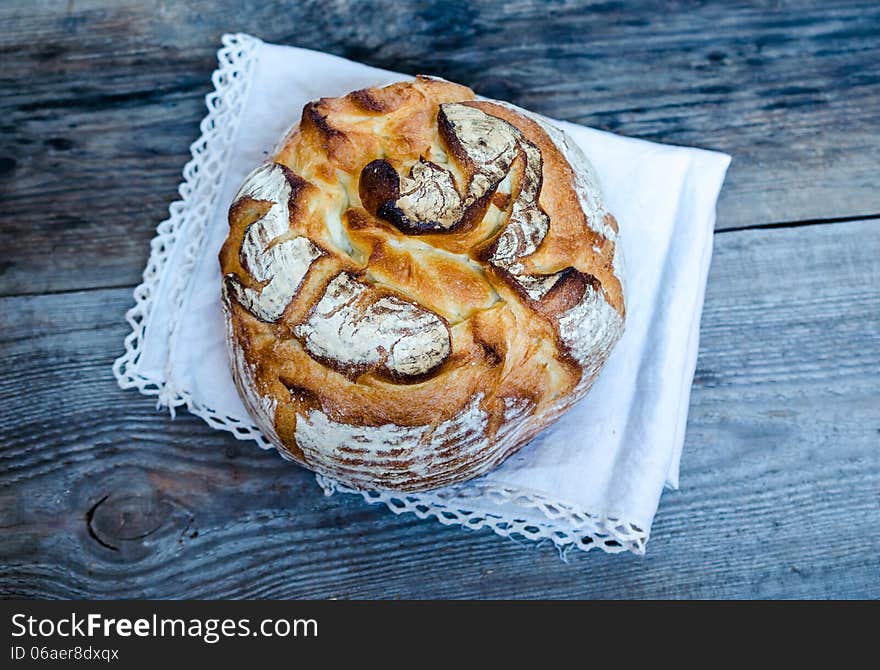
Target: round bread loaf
(416,284)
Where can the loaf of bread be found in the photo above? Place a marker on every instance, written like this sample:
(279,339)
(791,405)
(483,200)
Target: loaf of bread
(416,284)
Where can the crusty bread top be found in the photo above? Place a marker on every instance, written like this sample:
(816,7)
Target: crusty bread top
(412,252)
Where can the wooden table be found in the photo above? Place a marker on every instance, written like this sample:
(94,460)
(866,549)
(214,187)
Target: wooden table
(103,496)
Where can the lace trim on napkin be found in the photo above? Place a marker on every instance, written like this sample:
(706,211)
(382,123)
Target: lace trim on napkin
(566,526)
(187,222)
(202,176)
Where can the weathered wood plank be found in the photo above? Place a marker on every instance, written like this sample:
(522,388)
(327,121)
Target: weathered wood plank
(100,101)
(102,496)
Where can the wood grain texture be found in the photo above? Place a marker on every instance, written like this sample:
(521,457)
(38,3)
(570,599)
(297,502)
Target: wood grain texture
(102,496)
(101,100)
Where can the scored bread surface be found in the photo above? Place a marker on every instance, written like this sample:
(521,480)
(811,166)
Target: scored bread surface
(418,283)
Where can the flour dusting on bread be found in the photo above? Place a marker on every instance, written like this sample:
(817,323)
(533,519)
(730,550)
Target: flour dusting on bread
(280,266)
(354,329)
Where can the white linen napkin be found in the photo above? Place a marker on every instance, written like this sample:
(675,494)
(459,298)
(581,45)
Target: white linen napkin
(594,478)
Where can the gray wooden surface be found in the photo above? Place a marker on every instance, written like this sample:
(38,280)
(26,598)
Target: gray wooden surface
(101,496)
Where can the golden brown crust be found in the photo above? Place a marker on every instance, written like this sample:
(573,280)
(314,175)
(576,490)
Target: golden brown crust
(407,301)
